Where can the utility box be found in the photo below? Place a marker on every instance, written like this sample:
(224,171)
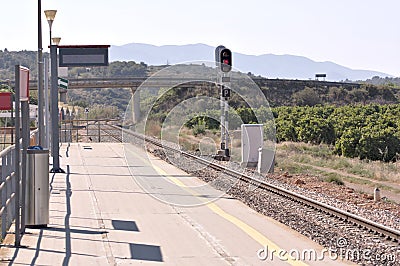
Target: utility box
(37,188)
(252,140)
(266,161)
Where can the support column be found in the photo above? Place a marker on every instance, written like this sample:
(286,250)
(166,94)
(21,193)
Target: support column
(17,157)
(136,105)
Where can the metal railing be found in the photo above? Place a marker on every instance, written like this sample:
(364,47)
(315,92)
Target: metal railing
(7,135)
(88,130)
(8,186)
(7,189)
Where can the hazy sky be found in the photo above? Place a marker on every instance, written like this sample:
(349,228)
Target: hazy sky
(360,34)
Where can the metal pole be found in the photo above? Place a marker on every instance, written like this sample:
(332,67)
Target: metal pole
(65,131)
(54,111)
(222,77)
(222,104)
(99,131)
(59,124)
(25,144)
(12,124)
(5,164)
(226,128)
(46,103)
(17,157)
(40,76)
(50,24)
(5,134)
(226,115)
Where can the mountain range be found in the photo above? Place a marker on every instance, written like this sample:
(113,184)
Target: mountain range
(266,65)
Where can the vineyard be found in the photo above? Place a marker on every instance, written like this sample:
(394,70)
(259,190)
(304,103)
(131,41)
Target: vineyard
(368,132)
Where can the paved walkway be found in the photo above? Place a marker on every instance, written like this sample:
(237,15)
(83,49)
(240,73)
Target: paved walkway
(99,215)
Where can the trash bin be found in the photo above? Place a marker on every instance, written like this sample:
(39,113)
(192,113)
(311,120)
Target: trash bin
(37,187)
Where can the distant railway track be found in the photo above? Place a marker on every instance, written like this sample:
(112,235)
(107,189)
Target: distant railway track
(135,82)
(344,216)
(111,131)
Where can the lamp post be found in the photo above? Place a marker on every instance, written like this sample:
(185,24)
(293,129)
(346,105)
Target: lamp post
(55,136)
(40,83)
(50,15)
(56,41)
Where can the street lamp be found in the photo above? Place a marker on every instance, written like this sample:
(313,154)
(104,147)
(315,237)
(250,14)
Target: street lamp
(50,15)
(56,40)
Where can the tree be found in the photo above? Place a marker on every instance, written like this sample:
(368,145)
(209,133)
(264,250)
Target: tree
(336,94)
(359,95)
(306,97)
(348,143)
(379,143)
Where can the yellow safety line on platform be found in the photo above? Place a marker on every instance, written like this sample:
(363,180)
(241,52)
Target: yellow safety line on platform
(173,179)
(252,232)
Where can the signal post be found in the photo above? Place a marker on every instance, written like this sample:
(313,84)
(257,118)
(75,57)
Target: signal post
(223,58)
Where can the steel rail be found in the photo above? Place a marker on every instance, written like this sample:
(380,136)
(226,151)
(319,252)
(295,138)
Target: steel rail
(110,133)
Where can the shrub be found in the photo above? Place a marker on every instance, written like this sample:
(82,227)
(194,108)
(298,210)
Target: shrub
(334,179)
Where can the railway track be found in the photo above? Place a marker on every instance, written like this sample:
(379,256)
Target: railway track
(112,131)
(344,216)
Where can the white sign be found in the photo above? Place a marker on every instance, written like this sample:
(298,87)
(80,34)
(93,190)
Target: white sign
(23,83)
(63,72)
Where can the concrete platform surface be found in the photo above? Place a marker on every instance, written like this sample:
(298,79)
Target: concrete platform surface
(111,208)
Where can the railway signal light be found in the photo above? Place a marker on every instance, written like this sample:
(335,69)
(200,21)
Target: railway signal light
(225,56)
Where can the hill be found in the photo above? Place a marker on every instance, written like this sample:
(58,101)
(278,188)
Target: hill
(267,65)
(278,92)
(8,60)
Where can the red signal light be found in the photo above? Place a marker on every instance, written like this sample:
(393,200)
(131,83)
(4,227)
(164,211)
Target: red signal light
(226,60)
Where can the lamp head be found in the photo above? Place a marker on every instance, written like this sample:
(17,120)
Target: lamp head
(56,40)
(50,14)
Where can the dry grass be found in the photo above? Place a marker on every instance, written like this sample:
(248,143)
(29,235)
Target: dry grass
(153,128)
(320,160)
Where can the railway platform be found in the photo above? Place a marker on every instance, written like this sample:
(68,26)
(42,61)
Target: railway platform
(101,215)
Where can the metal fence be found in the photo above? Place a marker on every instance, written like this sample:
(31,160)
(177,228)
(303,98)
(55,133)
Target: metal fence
(7,189)
(9,182)
(89,130)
